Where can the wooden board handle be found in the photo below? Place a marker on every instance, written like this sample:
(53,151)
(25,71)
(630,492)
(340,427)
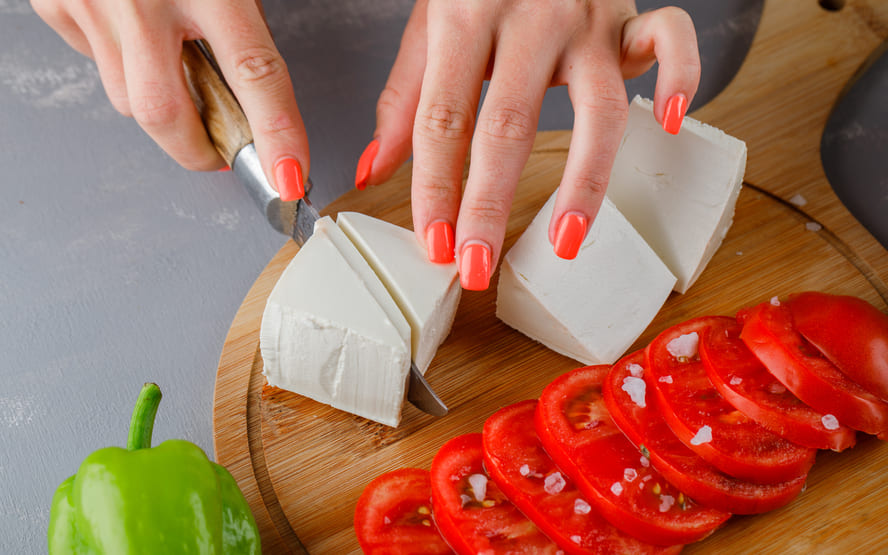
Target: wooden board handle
(221,114)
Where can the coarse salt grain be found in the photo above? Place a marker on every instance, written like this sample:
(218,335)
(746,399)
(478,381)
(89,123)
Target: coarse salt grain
(736,380)
(636,370)
(524,470)
(703,435)
(630,474)
(829,422)
(684,346)
(616,488)
(666,503)
(635,387)
(813,226)
(665,379)
(775,300)
(581,506)
(798,200)
(554,483)
(479,486)
(645,462)
(776,388)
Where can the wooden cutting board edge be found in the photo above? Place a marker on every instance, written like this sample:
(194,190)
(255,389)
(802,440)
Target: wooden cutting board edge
(237,441)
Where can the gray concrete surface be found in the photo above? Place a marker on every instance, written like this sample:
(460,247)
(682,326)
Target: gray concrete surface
(118,267)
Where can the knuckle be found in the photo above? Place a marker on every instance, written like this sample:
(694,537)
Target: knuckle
(445,120)
(155,108)
(389,99)
(510,120)
(592,182)
(259,65)
(488,211)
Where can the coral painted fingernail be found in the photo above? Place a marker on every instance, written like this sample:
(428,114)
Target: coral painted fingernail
(288,178)
(474,266)
(676,107)
(570,235)
(224,169)
(365,164)
(439,238)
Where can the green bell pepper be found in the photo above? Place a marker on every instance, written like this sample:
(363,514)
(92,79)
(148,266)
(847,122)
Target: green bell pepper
(166,499)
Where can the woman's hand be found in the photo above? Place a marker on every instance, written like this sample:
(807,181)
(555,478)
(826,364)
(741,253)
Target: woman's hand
(137,46)
(523,47)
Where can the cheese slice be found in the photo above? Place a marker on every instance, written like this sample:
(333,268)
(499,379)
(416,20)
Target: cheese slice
(591,308)
(327,335)
(427,294)
(679,191)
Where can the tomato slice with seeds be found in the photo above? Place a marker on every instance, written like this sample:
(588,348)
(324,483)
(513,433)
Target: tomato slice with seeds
(744,381)
(576,430)
(516,461)
(850,332)
(769,332)
(393,515)
(705,422)
(639,418)
(473,515)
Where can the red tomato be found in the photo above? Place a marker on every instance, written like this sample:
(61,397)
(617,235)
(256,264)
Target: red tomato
(393,515)
(745,382)
(705,422)
(576,430)
(850,332)
(768,331)
(516,461)
(684,469)
(472,513)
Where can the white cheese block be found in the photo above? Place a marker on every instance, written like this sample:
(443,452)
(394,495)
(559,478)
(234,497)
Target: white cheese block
(591,308)
(679,191)
(326,335)
(428,294)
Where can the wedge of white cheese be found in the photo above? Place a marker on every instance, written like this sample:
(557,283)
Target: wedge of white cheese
(678,191)
(331,332)
(591,308)
(428,294)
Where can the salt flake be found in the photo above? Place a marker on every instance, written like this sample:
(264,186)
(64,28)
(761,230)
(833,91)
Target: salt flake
(581,506)
(684,347)
(666,503)
(616,488)
(636,370)
(524,470)
(479,486)
(704,435)
(830,422)
(736,380)
(775,300)
(554,483)
(665,379)
(630,474)
(798,200)
(813,226)
(635,387)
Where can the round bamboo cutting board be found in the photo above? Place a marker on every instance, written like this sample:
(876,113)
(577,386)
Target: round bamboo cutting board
(302,465)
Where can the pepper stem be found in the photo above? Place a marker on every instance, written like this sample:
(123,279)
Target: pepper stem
(142,423)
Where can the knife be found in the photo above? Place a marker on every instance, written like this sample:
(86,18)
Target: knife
(230,132)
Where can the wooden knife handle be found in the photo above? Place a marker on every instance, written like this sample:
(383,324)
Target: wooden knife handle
(221,114)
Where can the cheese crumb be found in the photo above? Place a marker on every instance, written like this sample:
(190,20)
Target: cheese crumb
(524,470)
(666,503)
(736,380)
(684,347)
(813,226)
(576,539)
(704,435)
(645,462)
(636,370)
(798,200)
(635,387)
(554,483)
(581,506)
(616,488)
(775,300)
(630,474)
(479,486)
(830,422)
(665,379)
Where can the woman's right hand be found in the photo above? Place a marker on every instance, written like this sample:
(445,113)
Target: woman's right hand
(137,46)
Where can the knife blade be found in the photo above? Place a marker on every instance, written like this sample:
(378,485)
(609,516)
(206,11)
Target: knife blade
(230,132)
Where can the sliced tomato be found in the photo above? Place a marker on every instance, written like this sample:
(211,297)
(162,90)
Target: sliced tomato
(516,461)
(473,515)
(769,333)
(577,431)
(638,417)
(745,382)
(705,422)
(850,332)
(393,516)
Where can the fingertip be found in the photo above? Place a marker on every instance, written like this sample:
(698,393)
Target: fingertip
(475,263)
(673,115)
(365,165)
(288,179)
(569,235)
(439,241)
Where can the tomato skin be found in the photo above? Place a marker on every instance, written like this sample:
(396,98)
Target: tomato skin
(682,467)
(690,404)
(577,431)
(745,382)
(849,332)
(515,459)
(769,332)
(393,515)
(493,525)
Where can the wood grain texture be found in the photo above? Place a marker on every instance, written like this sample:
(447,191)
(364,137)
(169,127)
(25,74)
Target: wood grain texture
(303,465)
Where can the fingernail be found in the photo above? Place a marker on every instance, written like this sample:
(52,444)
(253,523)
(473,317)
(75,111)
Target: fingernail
(365,164)
(439,238)
(676,107)
(570,235)
(224,169)
(288,178)
(474,266)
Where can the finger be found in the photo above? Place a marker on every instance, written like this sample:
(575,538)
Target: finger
(61,22)
(459,45)
(600,107)
(666,35)
(501,145)
(396,108)
(259,79)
